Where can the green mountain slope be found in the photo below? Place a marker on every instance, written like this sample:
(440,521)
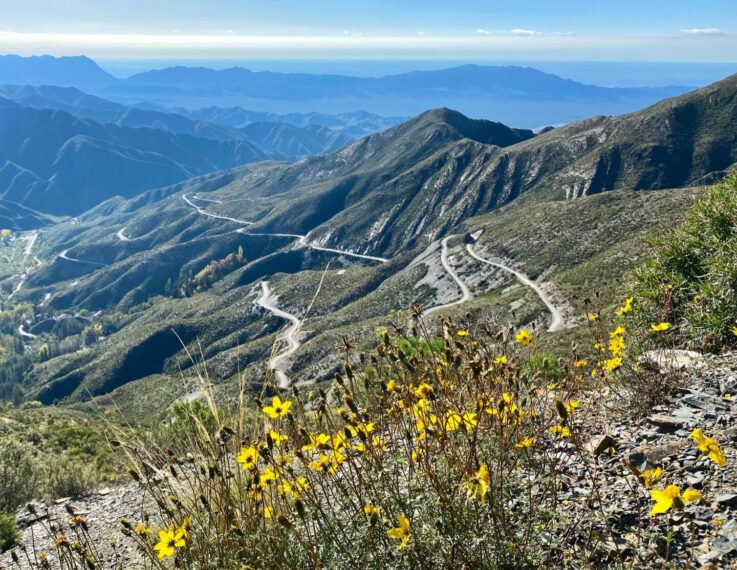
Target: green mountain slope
(164,261)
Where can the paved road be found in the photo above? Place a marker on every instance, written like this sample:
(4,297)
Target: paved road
(24,333)
(465,291)
(557,322)
(303,240)
(30,242)
(18,286)
(278,363)
(63,255)
(211,215)
(121,235)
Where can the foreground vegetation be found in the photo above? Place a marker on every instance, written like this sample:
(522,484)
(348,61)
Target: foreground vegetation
(49,454)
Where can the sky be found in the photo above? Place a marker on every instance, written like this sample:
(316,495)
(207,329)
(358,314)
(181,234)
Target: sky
(560,30)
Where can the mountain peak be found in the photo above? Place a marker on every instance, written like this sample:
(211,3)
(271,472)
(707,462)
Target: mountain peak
(479,130)
(68,71)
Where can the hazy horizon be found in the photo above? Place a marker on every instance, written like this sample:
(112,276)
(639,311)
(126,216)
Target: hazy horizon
(605,74)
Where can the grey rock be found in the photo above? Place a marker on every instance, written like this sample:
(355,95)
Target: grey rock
(727,500)
(599,444)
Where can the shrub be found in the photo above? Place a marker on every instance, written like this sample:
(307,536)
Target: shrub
(8,531)
(690,280)
(18,474)
(430,452)
(68,477)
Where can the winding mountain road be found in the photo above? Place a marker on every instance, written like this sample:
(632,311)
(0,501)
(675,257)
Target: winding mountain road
(303,240)
(121,235)
(278,363)
(30,242)
(25,334)
(557,322)
(211,215)
(63,255)
(465,291)
(19,285)
(201,199)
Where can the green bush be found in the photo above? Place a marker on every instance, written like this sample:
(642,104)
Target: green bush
(8,531)
(690,280)
(18,474)
(68,477)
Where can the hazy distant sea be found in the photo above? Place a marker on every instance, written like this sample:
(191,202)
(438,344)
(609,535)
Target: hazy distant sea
(607,74)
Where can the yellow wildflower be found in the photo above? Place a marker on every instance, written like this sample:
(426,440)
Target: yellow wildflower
(660,327)
(524,337)
(500,359)
(267,476)
(391,386)
(169,540)
(453,421)
(423,390)
(402,532)
(277,408)
(524,442)
(142,530)
(462,333)
(370,510)
(627,307)
(651,476)
(593,317)
(561,430)
(671,496)
(580,363)
(619,331)
(317,441)
(616,345)
(469,420)
(248,457)
(478,484)
(612,364)
(278,438)
(709,446)
(293,488)
(321,464)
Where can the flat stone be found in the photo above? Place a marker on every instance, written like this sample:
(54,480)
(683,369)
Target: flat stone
(652,456)
(599,444)
(668,360)
(667,423)
(727,500)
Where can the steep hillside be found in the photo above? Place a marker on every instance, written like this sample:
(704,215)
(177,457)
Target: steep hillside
(223,258)
(59,164)
(355,124)
(15,217)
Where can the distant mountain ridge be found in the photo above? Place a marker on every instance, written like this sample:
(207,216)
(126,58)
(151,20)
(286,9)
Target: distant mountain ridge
(59,164)
(492,81)
(516,95)
(101,148)
(79,71)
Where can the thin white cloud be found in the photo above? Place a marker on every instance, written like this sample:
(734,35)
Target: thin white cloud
(482,32)
(704,32)
(523,32)
(229,46)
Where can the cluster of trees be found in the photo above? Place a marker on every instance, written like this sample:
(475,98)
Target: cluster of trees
(206,277)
